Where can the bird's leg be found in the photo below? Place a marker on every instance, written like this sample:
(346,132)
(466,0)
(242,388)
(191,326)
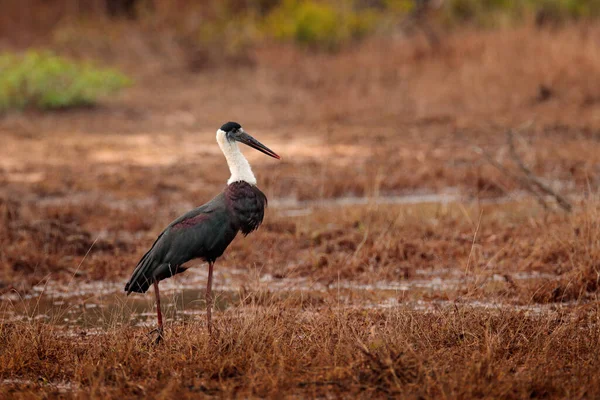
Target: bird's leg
(158,330)
(209,300)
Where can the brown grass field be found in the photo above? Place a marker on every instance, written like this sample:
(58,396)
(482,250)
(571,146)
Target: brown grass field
(395,260)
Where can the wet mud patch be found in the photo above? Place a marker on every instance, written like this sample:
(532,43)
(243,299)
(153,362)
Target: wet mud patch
(83,307)
(373,250)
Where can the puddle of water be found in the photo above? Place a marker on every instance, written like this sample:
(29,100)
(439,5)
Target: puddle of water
(78,198)
(104,304)
(303,206)
(104,311)
(436,284)
(435,305)
(449,196)
(61,387)
(291,207)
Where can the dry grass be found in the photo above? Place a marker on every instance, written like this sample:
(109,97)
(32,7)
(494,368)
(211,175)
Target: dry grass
(361,244)
(85,193)
(456,352)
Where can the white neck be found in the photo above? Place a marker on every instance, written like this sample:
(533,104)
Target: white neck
(238,165)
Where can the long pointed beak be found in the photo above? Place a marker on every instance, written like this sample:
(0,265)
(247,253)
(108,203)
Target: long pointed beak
(255,144)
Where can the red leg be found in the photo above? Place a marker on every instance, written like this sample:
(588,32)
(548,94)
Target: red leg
(158,313)
(209,300)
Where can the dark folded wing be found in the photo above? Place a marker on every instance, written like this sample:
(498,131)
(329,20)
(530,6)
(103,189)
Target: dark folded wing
(203,232)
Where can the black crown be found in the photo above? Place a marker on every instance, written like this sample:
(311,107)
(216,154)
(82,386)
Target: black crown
(230,126)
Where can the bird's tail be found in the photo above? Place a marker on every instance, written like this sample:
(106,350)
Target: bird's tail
(142,276)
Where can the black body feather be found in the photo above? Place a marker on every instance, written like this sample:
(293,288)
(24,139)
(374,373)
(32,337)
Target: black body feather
(204,232)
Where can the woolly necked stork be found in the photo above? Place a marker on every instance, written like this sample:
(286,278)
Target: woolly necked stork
(205,232)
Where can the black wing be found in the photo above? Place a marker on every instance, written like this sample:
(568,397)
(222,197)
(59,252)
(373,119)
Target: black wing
(204,232)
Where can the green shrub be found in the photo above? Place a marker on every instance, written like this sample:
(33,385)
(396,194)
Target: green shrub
(399,6)
(484,13)
(318,24)
(46,81)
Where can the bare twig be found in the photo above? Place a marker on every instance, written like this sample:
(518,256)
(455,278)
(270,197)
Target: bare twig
(560,200)
(527,180)
(522,181)
(473,243)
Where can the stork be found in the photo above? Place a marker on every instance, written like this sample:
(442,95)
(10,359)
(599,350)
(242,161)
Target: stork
(206,231)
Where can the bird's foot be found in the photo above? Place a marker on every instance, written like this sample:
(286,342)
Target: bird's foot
(159,334)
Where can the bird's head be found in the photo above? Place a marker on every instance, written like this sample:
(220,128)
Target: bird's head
(233,132)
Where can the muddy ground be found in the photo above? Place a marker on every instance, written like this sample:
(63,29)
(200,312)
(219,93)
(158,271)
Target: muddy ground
(395,257)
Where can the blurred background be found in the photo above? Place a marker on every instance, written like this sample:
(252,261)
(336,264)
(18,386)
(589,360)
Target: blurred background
(108,111)
(437,197)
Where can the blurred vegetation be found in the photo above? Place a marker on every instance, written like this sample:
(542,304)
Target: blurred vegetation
(493,13)
(330,24)
(225,32)
(46,81)
(232,26)
(319,24)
